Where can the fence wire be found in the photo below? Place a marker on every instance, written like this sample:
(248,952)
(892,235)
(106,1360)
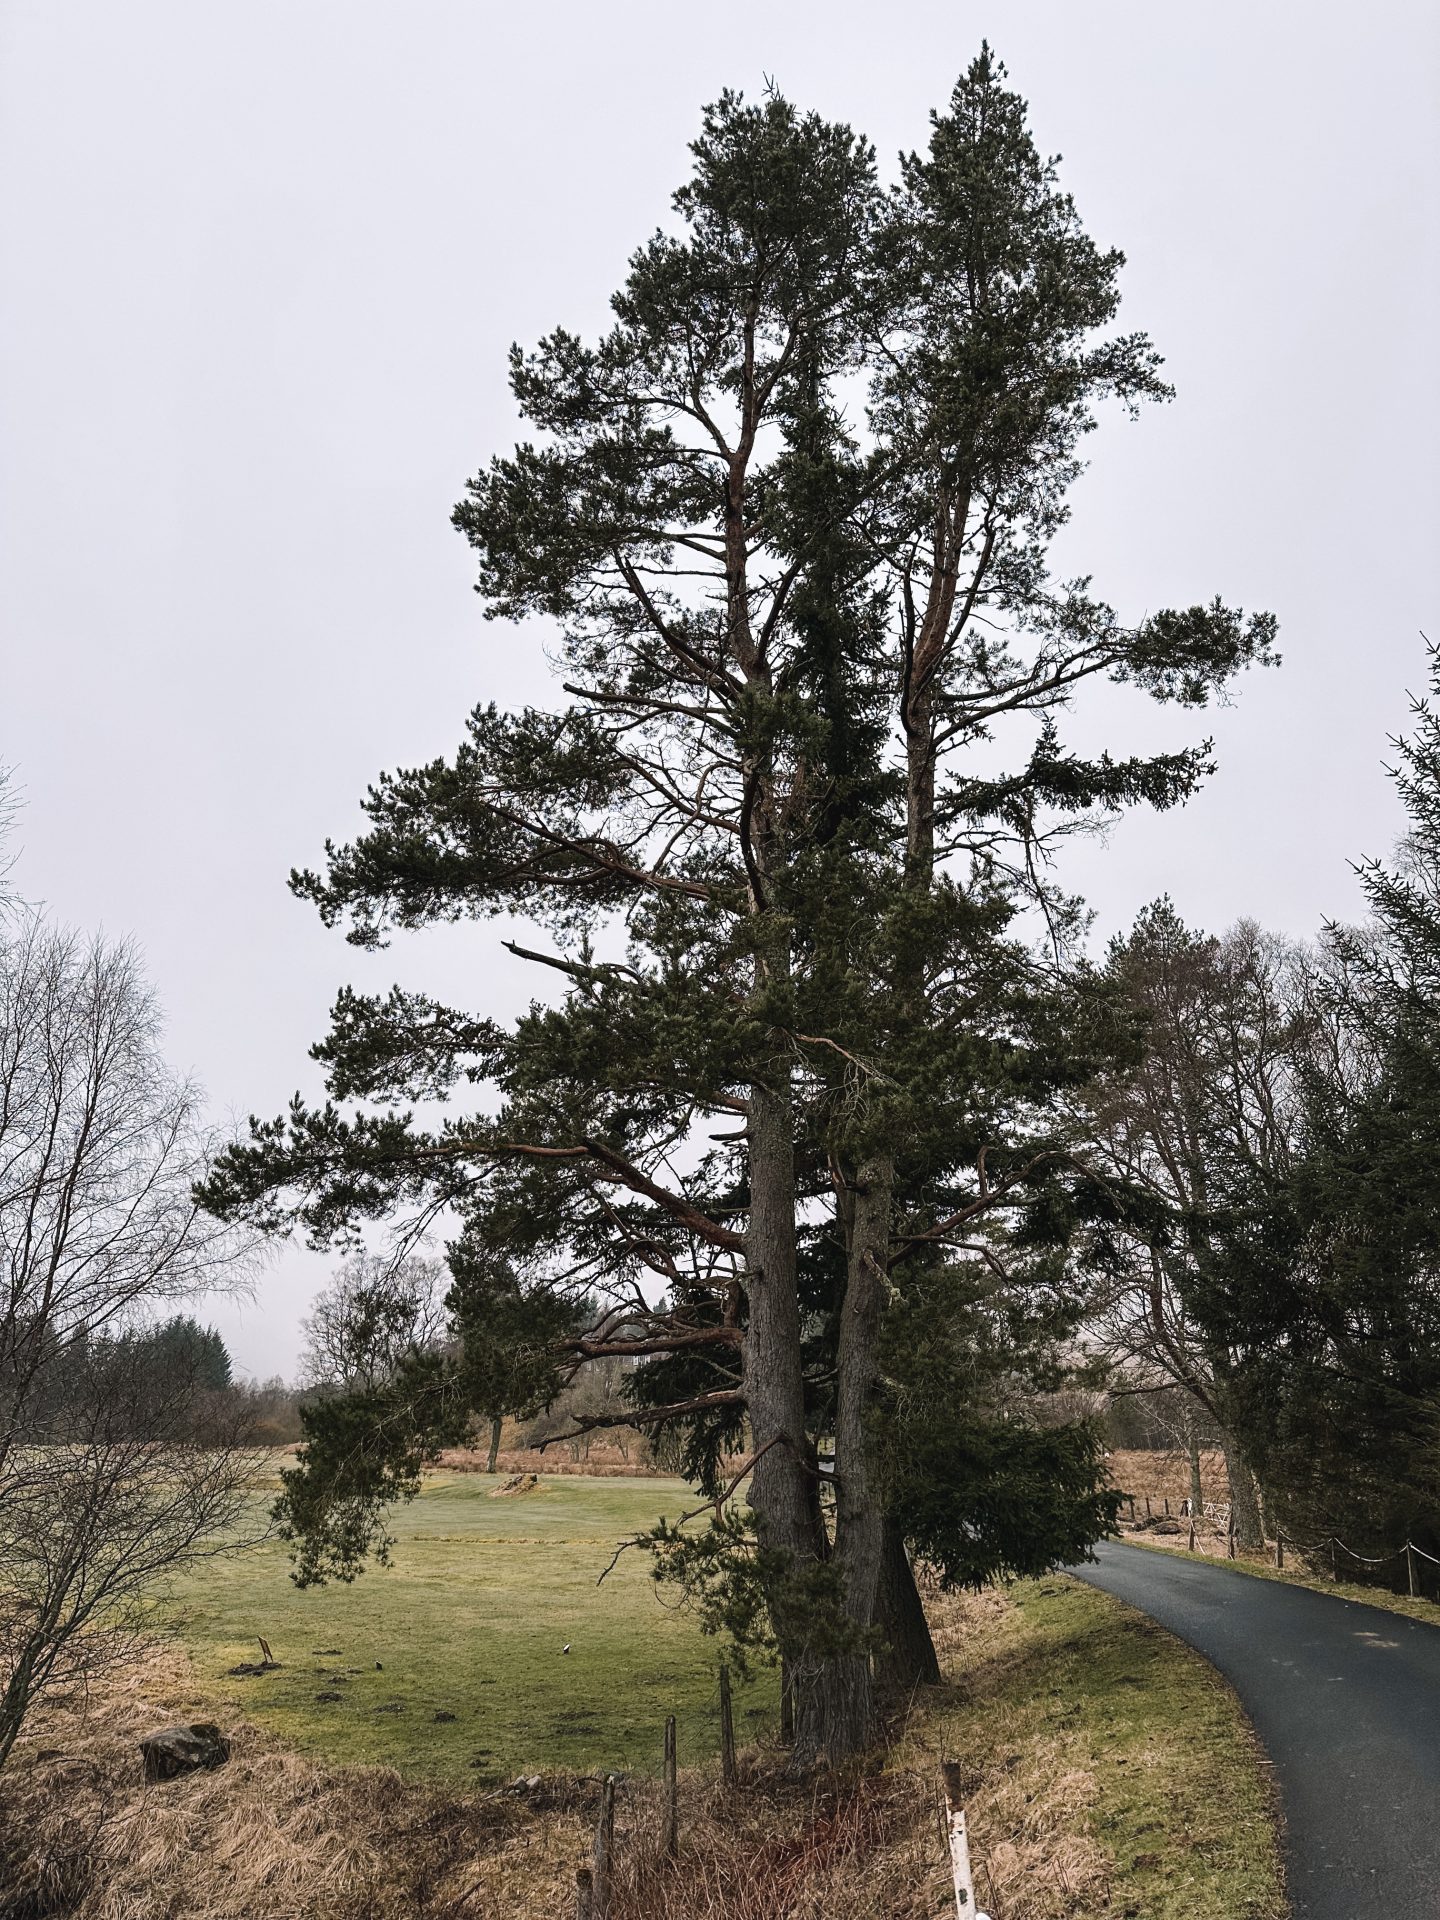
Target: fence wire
(1332,1541)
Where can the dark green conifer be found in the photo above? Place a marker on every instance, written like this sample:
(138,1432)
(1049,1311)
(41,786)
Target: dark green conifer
(804,1062)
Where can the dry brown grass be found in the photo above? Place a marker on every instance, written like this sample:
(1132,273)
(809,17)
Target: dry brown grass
(269,1837)
(275,1837)
(1166,1475)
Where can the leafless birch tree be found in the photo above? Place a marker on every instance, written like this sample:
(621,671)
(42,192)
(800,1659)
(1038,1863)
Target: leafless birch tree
(113,1470)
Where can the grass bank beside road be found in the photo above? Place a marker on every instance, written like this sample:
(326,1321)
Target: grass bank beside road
(1110,1773)
(1115,1773)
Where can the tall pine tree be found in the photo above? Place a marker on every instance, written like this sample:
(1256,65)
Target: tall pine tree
(803,1064)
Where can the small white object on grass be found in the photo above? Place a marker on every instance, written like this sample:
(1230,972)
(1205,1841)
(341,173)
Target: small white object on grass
(566,1647)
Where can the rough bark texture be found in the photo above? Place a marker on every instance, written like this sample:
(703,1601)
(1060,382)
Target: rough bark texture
(782,1489)
(859,1515)
(905,1654)
(1244,1507)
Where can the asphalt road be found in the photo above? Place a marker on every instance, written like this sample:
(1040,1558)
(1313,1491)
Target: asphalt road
(1346,1699)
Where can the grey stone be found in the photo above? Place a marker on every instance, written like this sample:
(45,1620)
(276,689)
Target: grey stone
(176,1750)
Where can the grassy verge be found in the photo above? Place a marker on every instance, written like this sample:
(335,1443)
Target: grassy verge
(1114,1771)
(1110,1770)
(451,1664)
(1112,1777)
(1296,1574)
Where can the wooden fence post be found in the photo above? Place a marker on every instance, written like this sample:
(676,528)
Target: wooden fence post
(584,1892)
(1410,1570)
(1131,1498)
(1279,1549)
(965,1906)
(670,1828)
(1192,1533)
(727,1729)
(604,1851)
(1230,1536)
(1167,1506)
(1334,1561)
(1147,1506)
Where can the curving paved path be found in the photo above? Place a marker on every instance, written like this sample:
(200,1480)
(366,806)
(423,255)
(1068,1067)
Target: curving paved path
(1346,1699)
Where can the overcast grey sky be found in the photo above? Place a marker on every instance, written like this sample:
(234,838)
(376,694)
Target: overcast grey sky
(261,267)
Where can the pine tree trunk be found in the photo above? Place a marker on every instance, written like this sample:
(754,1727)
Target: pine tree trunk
(494,1443)
(859,1515)
(1244,1507)
(834,1711)
(783,1491)
(905,1656)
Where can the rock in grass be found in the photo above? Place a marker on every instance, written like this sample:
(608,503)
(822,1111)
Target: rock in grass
(176,1750)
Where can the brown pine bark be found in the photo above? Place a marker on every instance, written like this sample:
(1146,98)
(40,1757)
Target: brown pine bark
(905,1655)
(1244,1507)
(846,1680)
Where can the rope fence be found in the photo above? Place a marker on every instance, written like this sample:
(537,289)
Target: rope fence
(1222,1521)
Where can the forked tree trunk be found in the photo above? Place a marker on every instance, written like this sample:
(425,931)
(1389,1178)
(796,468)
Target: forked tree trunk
(905,1653)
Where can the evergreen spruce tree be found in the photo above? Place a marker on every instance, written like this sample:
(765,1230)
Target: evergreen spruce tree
(804,1064)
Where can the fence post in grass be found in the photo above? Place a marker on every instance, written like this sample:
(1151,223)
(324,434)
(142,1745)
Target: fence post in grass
(1279,1549)
(604,1849)
(1147,1506)
(584,1891)
(1334,1561)
(1167,1506)
(1230,1536)
(670,1827)
(1131,1498)
(959,1839)
(1192,1533)
(1410,1570)
(727,1729)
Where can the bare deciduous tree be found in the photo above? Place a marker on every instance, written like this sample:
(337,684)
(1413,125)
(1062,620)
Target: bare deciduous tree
(1211,1110)
(374,1314)
(114,1469)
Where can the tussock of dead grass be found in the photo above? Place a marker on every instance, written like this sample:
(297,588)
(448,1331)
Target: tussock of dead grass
(778,1850)
(270,1836)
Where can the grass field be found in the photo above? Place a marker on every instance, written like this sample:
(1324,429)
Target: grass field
(1109,1772)
(470,1622)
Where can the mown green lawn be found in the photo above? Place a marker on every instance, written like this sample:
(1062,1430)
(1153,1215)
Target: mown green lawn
(471,1620)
